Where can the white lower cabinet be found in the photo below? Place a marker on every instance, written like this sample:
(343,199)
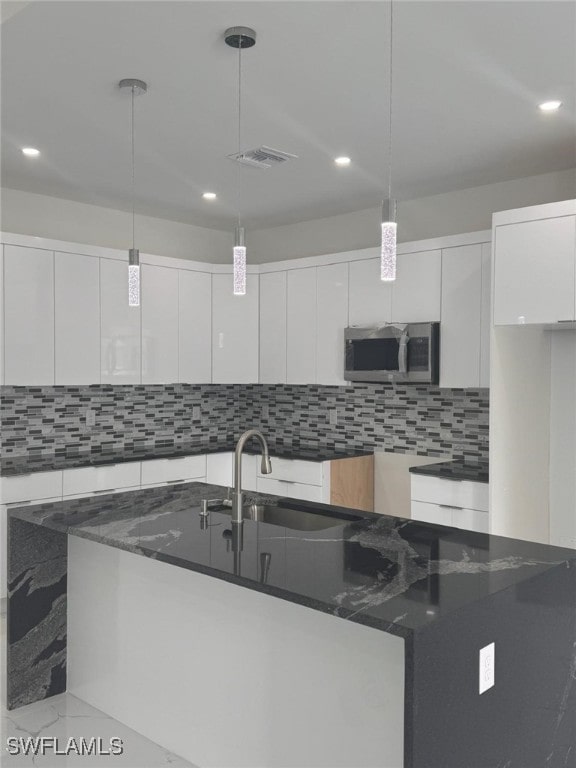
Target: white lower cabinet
(105,479)
(307,480)
(290,489)
(297,479)
(179,470)
(457,503)
(220,470)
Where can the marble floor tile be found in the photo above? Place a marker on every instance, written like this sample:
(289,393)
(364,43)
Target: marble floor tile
(66,717)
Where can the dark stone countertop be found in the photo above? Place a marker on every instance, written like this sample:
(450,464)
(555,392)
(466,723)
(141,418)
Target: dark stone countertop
(454,470)
(395,575)
(26,464)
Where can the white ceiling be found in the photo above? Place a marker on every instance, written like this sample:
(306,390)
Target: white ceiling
(467,80)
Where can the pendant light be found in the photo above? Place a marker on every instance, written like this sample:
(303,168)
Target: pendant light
(136,88)
(388,247)
(239,38)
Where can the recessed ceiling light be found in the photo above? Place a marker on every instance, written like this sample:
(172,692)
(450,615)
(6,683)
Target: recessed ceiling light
(30,151)
(550,106)
(342,161)
(209,195)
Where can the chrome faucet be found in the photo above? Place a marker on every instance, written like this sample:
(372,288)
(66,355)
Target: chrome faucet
(266,468)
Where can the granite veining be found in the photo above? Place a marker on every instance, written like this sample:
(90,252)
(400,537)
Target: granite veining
(37,590)
(373,570)
(445,591)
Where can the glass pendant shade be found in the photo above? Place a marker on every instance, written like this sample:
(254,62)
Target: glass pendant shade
(239,263)
(388,246)
(134,277)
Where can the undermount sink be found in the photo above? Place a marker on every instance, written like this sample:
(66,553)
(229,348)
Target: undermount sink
(295,518)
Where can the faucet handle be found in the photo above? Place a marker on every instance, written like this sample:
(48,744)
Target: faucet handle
(206,503)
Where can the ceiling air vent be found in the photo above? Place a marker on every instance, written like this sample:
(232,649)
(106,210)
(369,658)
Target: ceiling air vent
(263,157)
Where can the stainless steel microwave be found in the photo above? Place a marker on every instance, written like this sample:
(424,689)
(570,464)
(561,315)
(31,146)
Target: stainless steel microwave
(393,353)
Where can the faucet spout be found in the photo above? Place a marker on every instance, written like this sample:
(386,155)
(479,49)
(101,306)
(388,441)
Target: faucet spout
(265,468)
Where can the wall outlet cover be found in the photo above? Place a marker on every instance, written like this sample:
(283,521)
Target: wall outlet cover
(486,668)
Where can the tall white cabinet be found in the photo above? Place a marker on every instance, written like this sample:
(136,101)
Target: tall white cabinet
(301,332)
(119,326)
(194,327)
(76,318)
(28,316)
(234,331)
(461,316)
(159,296)
(331,320)
(273,327)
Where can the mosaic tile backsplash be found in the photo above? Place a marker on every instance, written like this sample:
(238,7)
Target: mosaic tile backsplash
(409,419)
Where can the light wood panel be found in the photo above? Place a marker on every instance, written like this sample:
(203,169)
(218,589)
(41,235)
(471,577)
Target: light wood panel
(352,483)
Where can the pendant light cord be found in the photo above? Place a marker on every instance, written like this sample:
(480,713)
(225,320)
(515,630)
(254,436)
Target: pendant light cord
(133,163)
(239,169)
(390,113)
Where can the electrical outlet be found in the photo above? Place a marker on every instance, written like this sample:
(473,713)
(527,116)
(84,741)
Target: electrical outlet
(90,417)
(196,414)
(486,668)
(333,416)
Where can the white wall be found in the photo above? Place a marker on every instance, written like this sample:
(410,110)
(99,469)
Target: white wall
(563,439)
(25,213)
(453,213)
(520,432)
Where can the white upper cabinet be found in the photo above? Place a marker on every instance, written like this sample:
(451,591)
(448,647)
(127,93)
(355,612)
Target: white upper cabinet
(159,297)
(273,328)
(534,263)
(77,318)
(234,331)
(460,333)
(485,315)
(416,290)
(119,326)
(301,336)
(331,320)
(194,327)
(370,299)
(28,316)
(1,314)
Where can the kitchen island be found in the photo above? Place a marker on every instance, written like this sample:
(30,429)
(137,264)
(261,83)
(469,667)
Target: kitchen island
(358,644)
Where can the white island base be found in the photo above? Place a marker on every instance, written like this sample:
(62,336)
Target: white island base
(225,676)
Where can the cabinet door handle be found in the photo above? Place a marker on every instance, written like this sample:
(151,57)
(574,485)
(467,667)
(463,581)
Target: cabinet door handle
(105,490)
(450,506)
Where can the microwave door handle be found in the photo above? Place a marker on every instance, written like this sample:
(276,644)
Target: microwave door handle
(403,353)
